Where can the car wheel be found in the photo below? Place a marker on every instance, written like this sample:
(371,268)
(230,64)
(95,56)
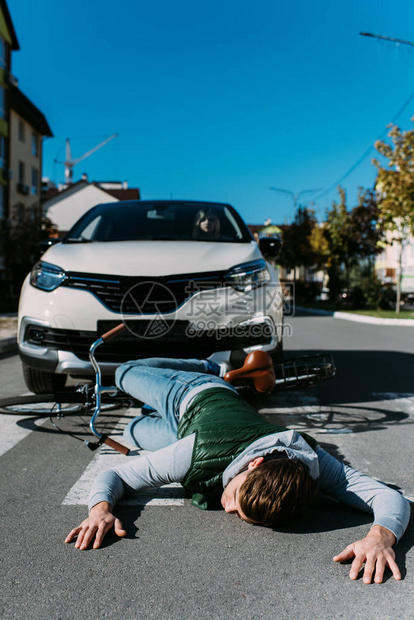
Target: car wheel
(41,382)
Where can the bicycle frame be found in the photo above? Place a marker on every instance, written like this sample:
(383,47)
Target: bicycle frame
(299,372)
(100,389)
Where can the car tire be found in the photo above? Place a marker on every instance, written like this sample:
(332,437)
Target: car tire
(41,382)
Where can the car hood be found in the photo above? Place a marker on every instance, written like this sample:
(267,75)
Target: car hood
(150,258)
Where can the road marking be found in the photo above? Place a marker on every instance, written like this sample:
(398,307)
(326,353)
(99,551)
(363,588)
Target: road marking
(397,401)
(302,411)
(11,433)
(168,495)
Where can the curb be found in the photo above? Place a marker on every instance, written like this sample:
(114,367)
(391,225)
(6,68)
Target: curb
(360,318)
(315,311)
(7,345)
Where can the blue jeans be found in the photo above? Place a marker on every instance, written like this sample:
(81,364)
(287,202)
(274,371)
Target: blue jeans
(161,384)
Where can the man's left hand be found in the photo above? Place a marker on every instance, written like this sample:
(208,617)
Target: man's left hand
(375,551)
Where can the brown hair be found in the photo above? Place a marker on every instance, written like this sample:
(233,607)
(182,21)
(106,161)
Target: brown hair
(276,491)
(200,216)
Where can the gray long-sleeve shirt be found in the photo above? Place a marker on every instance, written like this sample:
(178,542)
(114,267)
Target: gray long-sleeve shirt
(390,508)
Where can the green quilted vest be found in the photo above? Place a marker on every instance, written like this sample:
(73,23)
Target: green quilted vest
(224,425)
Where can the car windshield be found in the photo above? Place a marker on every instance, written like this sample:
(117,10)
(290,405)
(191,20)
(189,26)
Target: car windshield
(160,220)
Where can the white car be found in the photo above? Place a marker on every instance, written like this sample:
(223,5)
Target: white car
(187,279)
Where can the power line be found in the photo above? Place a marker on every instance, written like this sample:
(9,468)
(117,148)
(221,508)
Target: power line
(382,134)
(380,36)
(367,152)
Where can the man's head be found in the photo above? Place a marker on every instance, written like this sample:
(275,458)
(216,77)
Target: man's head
(269,493)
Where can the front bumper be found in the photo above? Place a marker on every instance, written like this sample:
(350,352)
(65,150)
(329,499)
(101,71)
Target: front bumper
(67,351)
(56,329)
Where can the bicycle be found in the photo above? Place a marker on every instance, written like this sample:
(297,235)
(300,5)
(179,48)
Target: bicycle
(258,373)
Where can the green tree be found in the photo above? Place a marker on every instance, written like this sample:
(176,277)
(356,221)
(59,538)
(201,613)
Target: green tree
(319,244)
(364,234)
(21,236)
(346,239)
(337,245)
(296,249)
(364,243)
(337,235)
(395,187)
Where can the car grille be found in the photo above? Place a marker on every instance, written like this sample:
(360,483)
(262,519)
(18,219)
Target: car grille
(140,340)
(133,295)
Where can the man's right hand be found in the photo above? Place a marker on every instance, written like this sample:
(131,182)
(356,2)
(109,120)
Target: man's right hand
(99,522)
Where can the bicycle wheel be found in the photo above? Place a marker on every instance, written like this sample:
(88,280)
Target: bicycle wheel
(66,403)
(60,404)
(304,371)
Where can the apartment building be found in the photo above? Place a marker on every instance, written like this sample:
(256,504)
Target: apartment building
(387,264)
(22,129)
(8,43)
(28,127)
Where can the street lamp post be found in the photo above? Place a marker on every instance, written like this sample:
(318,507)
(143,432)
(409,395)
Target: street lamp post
(295,196)
(295,200)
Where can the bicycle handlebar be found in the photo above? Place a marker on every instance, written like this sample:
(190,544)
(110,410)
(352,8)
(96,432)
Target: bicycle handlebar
(115,445)
(113,332)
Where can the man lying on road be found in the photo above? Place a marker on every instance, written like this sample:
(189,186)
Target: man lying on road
(205,436)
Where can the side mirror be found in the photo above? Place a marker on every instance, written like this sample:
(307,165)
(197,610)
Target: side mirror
(45,244)
(270,247)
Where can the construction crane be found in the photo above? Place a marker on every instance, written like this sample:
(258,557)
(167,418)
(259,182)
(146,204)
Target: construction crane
(69,163)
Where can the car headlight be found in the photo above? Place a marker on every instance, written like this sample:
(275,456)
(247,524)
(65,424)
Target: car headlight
(46,276)
(248,276)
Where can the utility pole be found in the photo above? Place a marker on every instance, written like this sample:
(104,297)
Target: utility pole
(400,254)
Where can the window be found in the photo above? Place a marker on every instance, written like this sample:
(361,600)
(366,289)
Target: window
(21,172)
(3,53)
(35,181)
(172,220)
(35,144)
(21,131)
(2,102)
(2,151)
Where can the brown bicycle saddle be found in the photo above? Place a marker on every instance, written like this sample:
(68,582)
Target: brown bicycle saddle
(257,369)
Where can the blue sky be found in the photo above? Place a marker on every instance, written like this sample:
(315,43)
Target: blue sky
(218,100)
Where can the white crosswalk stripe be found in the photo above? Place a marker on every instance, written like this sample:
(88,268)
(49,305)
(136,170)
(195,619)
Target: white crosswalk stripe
(301,410)
(397,401)
(167,495)
(11,432)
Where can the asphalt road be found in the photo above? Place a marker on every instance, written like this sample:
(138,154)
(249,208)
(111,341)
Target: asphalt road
(179,562)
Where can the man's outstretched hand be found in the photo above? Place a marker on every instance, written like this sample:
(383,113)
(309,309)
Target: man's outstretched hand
(99,522)
(375,550)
